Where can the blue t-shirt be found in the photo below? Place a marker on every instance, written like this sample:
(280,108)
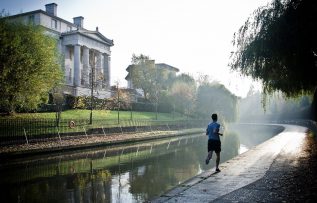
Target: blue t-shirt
(212,131)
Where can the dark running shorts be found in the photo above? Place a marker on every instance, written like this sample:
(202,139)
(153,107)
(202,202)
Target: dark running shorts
(214,145)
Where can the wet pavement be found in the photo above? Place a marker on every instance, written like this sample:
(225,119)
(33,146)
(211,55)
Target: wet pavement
(282,169)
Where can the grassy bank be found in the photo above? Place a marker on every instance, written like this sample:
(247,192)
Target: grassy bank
(99,115)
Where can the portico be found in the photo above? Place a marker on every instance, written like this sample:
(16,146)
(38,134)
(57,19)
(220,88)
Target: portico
(87,53)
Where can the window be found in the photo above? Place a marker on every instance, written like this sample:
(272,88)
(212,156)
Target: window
(70,75)
(70,53)
(54,24)
(81,54)
(31,19)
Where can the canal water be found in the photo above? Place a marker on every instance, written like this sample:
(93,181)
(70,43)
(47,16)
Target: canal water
(124,173)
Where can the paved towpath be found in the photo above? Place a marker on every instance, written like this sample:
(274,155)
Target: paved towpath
(282,169)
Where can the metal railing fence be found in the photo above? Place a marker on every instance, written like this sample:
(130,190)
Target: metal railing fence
(19,131)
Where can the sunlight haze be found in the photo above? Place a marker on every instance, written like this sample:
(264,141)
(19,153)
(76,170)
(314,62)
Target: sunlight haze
(192,35)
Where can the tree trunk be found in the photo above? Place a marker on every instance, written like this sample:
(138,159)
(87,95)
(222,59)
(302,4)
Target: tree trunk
(11,107)
(145,95)
(57,118)
(11,112)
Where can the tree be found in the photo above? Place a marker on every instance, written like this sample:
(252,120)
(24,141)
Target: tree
(279,47)
(214,97)
(186,78)
(183,93)
(58,101)
(147,77)
(143,74)
(29,65)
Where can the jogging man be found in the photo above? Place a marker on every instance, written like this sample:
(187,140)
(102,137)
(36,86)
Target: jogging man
(214,143)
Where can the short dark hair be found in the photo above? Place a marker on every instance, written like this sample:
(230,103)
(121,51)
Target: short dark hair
(214,116)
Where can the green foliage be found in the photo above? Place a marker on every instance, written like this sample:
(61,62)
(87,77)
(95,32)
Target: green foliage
(83,102)
(148,78)
(183,95)
(58,100)
(279,47)
(70,101)
(143,74)
(215,98)
(29,65)
(121,101)
(185,78)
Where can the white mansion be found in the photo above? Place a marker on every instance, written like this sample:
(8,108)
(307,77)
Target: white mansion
(82,49)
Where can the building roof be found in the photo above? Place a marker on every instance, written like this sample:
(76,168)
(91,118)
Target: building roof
(80,30)
(158,65)
(164,65)
(43,12)
(130,66)
(96,35)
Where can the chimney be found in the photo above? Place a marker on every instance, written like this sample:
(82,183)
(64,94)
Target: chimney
(51,9)
(79,21)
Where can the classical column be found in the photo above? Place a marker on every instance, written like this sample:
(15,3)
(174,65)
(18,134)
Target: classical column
(85,72)
(77,65)
(106,70)
(67,74)
(99,71)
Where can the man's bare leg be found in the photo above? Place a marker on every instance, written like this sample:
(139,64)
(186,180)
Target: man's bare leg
(209,156)
(217,161)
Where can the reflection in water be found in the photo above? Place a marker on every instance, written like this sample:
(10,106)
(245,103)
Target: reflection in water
(243,149)
(126,173)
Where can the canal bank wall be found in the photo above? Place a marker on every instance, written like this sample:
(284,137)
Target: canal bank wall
(70,143)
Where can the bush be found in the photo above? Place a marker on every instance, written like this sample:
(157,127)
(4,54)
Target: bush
(145,107)
(150,107)
(70,101)
(83,102)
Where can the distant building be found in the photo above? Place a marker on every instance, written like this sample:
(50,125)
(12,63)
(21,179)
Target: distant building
(137,94)
(82,49)
(170,69)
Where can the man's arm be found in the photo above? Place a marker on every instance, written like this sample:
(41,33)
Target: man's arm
(217,132)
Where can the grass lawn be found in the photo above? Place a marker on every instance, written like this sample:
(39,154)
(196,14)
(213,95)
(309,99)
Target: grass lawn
(98,115)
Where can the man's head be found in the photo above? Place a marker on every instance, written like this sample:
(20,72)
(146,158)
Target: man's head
(214,116)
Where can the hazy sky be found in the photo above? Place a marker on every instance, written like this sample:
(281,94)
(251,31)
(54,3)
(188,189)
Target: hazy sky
(192,35)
